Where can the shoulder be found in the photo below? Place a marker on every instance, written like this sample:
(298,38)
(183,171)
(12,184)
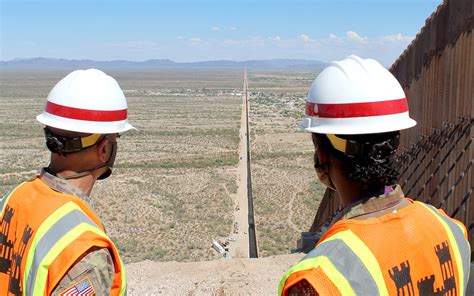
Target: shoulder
(337,265)
(321,269)
(447,221)
(93,272)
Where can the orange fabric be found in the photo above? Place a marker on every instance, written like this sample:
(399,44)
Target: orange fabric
(30,204)
(317,278)
(73,252)
(412,238)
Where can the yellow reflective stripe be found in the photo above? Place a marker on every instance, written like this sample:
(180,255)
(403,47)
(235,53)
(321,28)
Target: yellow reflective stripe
(329,269)
(358,247)
(365,255)
(72,235)
(6,198)
(123,290)
(454,247)
(335,276)
(45,226)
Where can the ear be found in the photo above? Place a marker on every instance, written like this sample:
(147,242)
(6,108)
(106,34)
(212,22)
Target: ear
(103,149)
(321,155)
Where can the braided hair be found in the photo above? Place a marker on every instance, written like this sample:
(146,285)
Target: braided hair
(374,167)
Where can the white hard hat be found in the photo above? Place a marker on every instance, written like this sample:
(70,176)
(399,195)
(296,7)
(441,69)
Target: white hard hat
(86,101)
(356,96)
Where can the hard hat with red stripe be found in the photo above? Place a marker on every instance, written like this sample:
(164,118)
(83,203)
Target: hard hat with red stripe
(356,96)
(86,101)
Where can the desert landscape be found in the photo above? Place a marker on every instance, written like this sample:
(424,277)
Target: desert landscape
(285,189)
(175,182)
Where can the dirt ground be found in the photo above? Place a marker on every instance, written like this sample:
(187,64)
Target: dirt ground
(237,276)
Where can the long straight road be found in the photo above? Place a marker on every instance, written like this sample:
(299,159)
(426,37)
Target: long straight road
(253,249)
(240,248)
(244,227)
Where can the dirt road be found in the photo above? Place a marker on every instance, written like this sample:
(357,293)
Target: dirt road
(236,276)
(240,247)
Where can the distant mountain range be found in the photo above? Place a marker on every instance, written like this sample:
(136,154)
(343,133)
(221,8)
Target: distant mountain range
(47,63)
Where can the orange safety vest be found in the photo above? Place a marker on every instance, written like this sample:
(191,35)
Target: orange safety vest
(418,250)
(42,234)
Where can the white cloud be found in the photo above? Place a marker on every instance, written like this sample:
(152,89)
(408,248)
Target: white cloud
(305,38)
(233,28)
(396,38)
(334,46)
(215,29)
(334,39)
(356,37)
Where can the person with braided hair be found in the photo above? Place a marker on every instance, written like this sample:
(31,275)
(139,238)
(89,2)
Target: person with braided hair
(381,243)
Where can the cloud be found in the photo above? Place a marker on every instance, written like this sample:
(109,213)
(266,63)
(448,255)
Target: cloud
(305,38)
(334,39)
(396,38)
(334,46)
(233,28)
(356,37)
(215,29)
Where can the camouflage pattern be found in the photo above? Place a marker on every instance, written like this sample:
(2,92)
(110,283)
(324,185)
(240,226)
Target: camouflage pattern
(302,288)
(62,185)
(373,207)
(97,267)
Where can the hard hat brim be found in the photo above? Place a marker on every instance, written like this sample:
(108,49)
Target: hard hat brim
(356,126)
(83,126)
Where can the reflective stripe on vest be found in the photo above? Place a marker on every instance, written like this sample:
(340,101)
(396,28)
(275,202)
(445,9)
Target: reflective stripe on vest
(6,198)
(61,228)
(459,245)
(344,255)
(123,288)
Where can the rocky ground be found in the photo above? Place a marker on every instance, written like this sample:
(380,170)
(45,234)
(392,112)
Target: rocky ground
(236,276)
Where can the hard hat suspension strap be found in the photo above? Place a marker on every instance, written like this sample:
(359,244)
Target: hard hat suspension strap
(77,175)
(353,148)
(64,145)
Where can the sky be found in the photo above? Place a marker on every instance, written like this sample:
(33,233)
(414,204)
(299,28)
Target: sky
(194,30)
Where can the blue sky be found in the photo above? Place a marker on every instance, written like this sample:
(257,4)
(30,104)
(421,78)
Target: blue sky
(185,30)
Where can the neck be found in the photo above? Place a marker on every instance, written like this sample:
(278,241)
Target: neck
(83,183)
(349,194)
(352,194)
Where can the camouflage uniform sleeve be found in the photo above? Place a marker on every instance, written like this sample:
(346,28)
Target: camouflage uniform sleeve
(302,288)
(94,272)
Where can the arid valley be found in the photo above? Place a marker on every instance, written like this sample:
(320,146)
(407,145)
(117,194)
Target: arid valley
(175,184)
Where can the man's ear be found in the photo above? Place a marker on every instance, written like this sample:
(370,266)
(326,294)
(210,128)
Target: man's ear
(103,149)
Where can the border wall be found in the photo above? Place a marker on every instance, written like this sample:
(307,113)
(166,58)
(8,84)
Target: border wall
(436,157)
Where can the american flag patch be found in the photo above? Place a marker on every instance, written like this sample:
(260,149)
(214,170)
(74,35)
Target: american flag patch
(82,288)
